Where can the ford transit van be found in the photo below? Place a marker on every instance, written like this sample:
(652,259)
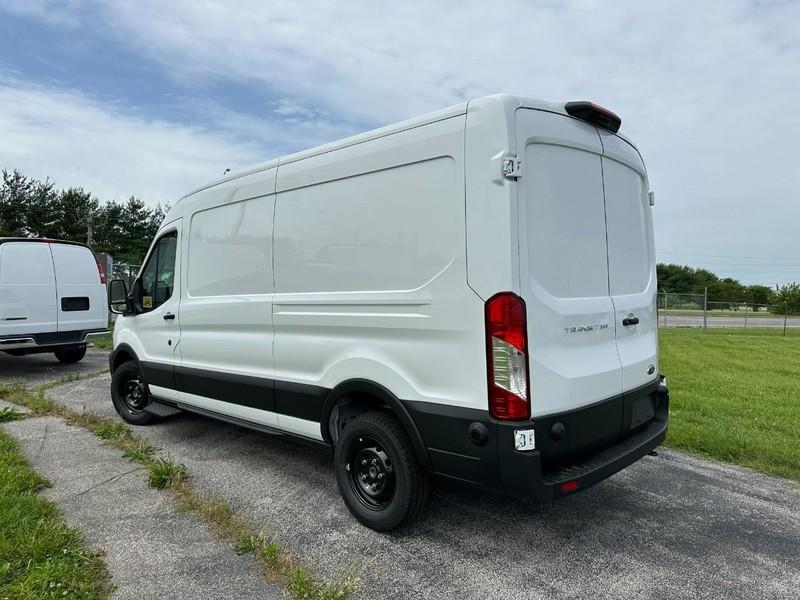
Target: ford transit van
(52,298)
(469,294)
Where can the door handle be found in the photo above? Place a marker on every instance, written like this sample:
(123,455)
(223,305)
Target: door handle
(168,316)
(626,322)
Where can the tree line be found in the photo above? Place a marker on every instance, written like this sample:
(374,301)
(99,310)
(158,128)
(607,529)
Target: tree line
(724,292)
(34,208)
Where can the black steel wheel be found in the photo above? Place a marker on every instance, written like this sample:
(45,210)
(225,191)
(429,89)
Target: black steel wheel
(371,473)
(129,394)
(379,477)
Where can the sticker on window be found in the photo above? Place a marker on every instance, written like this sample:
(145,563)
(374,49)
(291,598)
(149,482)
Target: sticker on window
(147,301)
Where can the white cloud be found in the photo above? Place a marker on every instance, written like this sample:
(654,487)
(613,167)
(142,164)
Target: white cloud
(708,92)
(74,140)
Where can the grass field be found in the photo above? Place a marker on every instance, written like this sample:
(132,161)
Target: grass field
(40,556)
(735,396)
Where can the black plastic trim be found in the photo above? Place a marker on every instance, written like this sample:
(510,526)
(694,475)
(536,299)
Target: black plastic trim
(398,407)
(244,390)
(300,400)
(162,375)
(120,349)
(602,438)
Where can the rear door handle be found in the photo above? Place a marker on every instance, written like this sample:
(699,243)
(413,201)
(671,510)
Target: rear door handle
(626,322)
(168,316)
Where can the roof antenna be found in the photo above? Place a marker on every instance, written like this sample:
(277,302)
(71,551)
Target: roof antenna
(226,172)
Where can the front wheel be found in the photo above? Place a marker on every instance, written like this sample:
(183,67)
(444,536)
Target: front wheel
(382,484)
(129,394)
(70,354)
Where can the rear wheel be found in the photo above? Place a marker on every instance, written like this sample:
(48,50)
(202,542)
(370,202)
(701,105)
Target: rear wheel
(70,354)
(379,477)
(129,394)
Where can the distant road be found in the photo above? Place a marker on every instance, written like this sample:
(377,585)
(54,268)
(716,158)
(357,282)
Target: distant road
(714,321)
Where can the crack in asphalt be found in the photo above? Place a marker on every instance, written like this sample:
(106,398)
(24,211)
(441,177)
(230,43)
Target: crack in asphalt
(111,479)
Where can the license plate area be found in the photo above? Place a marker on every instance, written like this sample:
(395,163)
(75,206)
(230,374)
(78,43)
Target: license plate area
(524,440)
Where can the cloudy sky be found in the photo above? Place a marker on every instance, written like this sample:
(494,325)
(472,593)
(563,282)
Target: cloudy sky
(153,98)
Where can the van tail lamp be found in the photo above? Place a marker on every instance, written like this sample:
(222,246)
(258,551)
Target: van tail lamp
(507,357)
(102,273)
(594,114)
(569,486)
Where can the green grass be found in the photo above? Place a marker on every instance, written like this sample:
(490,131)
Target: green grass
(164,473)
(10,414)
(735,396)
(103,342)
(41,557)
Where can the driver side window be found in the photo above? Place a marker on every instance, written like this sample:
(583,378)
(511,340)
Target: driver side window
(158,275)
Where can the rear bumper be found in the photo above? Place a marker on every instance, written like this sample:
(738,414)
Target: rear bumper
(523,473)
(46,342)
(600,440)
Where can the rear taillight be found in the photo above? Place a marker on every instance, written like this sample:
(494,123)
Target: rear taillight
(102,273)
(507,356)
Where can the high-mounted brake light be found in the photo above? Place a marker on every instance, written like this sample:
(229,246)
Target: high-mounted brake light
(507,357)
(594,114)
(102,273)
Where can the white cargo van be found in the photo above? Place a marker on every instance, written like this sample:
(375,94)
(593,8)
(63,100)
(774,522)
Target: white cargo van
(469,294)
(52,297)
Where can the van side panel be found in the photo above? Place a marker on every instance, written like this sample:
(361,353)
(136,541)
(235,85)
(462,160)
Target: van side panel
(225,351)
(81,301)
(370,274)
(27,289)
(491,216)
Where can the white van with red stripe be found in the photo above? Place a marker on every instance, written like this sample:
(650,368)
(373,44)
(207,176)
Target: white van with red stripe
(469,294)
(52,298)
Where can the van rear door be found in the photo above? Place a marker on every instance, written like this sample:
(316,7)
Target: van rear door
(631,260)
(564,276)
(27,288)
(81,298)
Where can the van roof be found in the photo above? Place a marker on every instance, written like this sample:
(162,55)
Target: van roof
(509,102)
(41,240)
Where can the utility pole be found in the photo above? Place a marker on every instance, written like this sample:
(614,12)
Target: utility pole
(785,316)
(705,310)
(89,232)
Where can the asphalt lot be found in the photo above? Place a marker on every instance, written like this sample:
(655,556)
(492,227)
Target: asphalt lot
(38,369)
(670,526)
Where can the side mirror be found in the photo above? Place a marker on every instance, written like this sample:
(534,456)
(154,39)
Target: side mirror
(118,296)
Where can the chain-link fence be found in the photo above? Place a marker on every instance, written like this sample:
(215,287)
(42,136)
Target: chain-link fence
(694,310)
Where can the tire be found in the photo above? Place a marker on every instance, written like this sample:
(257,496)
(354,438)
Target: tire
(70,354)
(129,394)
(374,450)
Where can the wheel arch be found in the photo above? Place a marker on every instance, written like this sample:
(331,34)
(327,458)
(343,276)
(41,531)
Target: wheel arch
(121,354)
(383,398)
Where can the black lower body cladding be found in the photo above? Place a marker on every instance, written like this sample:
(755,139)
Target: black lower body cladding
(582,446)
